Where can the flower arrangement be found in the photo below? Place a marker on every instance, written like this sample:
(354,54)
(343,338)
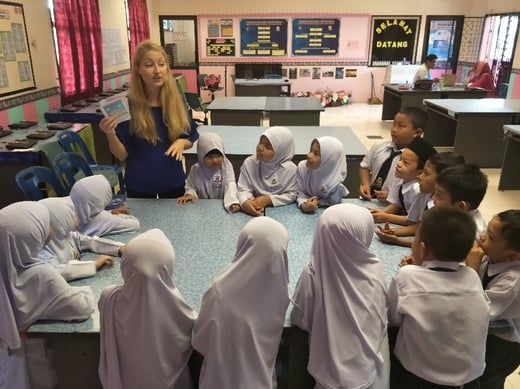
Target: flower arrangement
(328,98)
(212,81)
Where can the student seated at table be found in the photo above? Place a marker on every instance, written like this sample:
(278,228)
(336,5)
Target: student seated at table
(30,290)
(462,186)
(269,177)
(405,190)
(377,169)
(482,78)
(145,324)
(346,325)
(423,201)
(321,175)
(439,307)
(212,177)
(90,196)
(242,315)
(496,258)
(64,249)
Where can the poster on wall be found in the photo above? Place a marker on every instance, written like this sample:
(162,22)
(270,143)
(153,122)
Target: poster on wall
(220,47)
(393,39)
(16,72)
(263,37)
(442,37)
(315,36)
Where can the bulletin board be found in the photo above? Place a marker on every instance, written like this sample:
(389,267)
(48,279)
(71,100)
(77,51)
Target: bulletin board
(275,37)
(16,72)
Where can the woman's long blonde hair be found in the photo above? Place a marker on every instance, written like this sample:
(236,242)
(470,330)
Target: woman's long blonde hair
(175,115)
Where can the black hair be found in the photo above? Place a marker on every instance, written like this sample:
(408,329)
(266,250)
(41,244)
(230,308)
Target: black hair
(448,233)
(417,116)
(213,152)
(464,182)
(445,160)
(510,220)
(431,57)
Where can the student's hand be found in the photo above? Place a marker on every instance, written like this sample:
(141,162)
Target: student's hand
(381,195)
(185,199)
(250,207)
(385,236)
(108,125)
(364,192)
(263,201)
(310,205)
(103,260)
(176,149)
(407,260)
(234,208)
(378,215)
(475,256)
(122,209)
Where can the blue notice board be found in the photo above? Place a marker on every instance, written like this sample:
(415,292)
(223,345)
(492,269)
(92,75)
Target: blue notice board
(263,37)
(315,36)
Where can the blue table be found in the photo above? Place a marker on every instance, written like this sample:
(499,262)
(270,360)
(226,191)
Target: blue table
(262,87)
(294,111)
(241,141)
(237,111)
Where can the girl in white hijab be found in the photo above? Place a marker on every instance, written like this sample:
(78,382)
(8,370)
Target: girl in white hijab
(63,250)
(30,289)
(321,175)
(340,300)
(269,177)
(90,196)
(242,315)
(145,324)
(213,176)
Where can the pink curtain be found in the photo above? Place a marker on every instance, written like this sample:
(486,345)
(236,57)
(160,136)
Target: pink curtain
(139,24)
(78,30)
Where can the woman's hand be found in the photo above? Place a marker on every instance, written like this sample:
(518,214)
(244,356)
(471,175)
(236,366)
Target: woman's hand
(177,148)
(108,125)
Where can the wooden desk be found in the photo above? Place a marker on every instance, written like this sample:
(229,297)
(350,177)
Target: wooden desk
(473,127)
(262,87)
(509,175)
(395,99)
(237,111)
(241,141)
(42,153)
(294,111)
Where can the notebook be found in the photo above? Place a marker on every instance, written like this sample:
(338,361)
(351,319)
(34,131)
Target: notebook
(5,133)
(22,124)
(40,134)
(59,126)
(21,144)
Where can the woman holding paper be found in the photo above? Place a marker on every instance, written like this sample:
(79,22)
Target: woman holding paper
(159,130)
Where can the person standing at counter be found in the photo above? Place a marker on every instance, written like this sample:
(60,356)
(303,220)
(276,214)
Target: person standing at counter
(423,73)
(152,142)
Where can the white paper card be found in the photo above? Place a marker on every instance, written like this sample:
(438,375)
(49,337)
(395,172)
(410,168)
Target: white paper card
(116,107)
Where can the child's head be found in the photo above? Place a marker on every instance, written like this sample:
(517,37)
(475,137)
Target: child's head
(210,151)
(462,186)
(276,145)
(444,234)
(314,155)
(413,158)
(326,152)
(90,196)
(434,166)
(408,123)
(63,217)
(501,241)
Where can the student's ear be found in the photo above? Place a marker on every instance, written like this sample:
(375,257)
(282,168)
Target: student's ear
(513,255)
(422,252)
(463,205)
(419,132)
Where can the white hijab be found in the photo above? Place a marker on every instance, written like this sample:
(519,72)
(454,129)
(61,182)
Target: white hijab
(207,142)
(145,324)
(59,250)
(331,172)
(340,299)
(30,289)
(282,140)
(242,314)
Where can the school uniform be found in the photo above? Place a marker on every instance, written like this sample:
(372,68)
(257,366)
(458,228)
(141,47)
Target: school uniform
(64,249)
(30,289)
(206,183)
(376,156)
(403,194)
(325,182)
(145,324)
(422,73)
(340,299)
(479,221)
(242,315)
(421,203)
(442,314)
(90,196)
(276,178)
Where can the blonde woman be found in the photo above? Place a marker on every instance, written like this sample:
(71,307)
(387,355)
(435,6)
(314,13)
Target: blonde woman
(152,142)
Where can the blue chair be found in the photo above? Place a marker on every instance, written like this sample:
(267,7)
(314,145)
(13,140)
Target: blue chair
(39,182)
(72,142)
(501,90)
(71,167)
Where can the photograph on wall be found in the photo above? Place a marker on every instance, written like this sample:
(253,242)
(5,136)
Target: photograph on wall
(213,27)
(351,73)
(316,73)
(328,73)
(305,72)
(339,73)
(263,37)
(315,36)
(226,27)
(393,39)
(442,37)
(293,73)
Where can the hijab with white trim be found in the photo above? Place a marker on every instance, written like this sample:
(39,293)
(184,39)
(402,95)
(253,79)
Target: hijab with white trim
(145,324)
(242,316)
(340,299)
